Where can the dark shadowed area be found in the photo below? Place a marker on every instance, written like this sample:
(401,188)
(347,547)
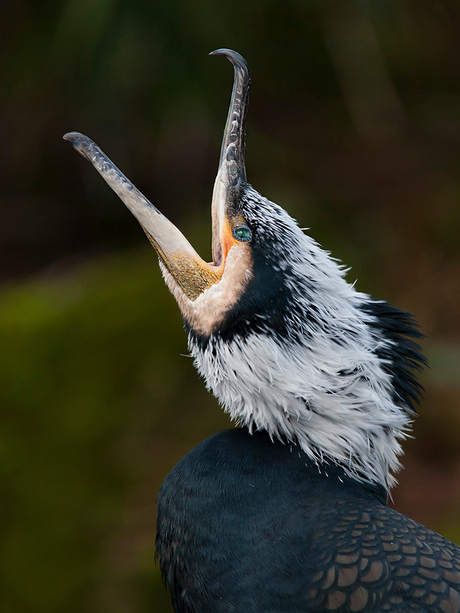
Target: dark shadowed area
(353,127)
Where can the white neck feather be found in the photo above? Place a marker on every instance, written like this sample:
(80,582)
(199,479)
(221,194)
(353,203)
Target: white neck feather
(328,391)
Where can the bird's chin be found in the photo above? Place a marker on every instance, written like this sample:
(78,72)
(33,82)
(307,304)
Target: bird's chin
(207,312)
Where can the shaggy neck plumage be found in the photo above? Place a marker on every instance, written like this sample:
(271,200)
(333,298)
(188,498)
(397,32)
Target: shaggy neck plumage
(333,374)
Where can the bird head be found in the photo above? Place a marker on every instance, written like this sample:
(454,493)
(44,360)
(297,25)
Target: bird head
(280,337)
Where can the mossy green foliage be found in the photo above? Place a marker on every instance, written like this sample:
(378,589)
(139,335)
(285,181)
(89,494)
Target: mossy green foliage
(97,405)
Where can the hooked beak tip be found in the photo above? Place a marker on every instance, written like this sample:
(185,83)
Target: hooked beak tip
(220,51)
(72,137)
(235,58)
(77,140)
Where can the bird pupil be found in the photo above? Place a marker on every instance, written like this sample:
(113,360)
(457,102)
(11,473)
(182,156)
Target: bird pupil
(243,233)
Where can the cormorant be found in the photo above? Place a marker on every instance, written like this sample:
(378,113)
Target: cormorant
(287,513)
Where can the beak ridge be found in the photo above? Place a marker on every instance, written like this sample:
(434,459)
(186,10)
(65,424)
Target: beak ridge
(232,150)
(231,174)
(163,234)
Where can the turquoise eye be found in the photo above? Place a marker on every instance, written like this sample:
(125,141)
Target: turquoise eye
(242,233)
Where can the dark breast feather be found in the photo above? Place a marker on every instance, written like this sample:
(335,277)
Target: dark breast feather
(247,525)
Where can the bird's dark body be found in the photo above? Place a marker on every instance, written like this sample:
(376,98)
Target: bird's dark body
(247,524)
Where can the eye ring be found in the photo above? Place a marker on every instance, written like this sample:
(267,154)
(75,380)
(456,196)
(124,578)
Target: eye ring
(242,233)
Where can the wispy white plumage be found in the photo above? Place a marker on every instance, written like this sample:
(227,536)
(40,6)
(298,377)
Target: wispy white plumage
(321,383)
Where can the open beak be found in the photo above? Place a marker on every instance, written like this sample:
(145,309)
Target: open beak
(190,271)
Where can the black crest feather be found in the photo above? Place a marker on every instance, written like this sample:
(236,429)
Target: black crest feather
(404,355)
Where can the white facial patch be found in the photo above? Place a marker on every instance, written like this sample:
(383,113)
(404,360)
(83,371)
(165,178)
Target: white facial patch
(206,313)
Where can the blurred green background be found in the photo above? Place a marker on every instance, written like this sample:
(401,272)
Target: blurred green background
(354,127)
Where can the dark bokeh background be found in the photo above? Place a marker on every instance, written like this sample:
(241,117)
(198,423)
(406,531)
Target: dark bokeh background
(354,127)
